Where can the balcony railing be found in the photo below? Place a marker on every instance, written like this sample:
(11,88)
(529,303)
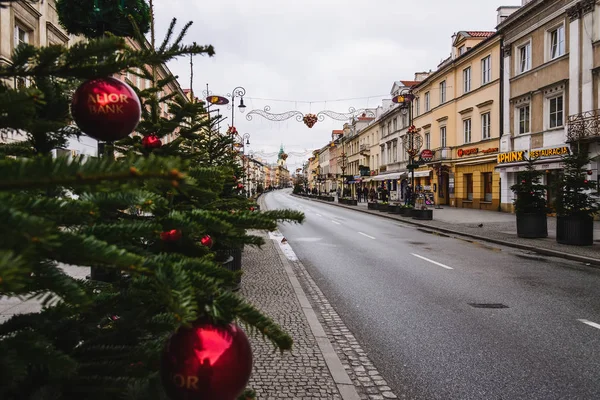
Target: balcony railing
(444,153)
(365,149)
(584,126)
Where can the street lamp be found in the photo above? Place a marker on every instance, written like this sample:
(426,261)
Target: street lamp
(237,92)
(414,140)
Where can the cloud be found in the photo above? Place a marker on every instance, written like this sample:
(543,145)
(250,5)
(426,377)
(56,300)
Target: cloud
(315,50)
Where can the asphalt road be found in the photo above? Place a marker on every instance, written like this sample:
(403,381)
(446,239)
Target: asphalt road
(406,296)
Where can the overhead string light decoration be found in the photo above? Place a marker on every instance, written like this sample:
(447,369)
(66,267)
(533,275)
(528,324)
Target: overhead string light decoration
(310,119)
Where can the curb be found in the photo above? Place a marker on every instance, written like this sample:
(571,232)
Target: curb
(593,262)
(337,370)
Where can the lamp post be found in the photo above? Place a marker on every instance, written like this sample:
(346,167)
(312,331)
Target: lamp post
(414,140)
(237,92)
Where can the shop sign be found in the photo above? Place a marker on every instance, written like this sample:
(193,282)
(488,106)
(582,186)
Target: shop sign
(427,153)
(515,156)
(218,100)
(492,150)
(467,152)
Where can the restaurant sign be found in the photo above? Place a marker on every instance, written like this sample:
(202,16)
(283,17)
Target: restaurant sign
(521,155)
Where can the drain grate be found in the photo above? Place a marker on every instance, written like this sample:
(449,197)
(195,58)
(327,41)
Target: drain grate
(488,305)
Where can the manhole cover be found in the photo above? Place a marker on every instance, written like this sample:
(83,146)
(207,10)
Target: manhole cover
(488,305)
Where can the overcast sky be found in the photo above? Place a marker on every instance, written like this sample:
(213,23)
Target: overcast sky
(317,51)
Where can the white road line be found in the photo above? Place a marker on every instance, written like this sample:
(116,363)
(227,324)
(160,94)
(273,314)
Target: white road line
(318,215)
(590,323)
(364,234)
(335,222)
(431,261)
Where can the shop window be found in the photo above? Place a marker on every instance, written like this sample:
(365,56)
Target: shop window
(468,186)
(486,177)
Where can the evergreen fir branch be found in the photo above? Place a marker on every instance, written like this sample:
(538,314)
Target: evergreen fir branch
(120,232)
(47,172)
(62,211)
(144,200)
(13,273)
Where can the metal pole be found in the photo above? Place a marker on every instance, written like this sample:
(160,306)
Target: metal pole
(412,159)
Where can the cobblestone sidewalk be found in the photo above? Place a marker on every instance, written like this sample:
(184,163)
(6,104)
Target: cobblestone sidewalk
(268,282)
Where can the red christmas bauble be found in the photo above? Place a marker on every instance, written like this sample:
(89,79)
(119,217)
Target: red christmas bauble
(106,109)
(207,241)
(240,186)
(206,362)
(171,236)
(523,181)
(151,142)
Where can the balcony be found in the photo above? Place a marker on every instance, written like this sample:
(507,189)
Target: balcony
(365,150)
(584,126)
(442,153)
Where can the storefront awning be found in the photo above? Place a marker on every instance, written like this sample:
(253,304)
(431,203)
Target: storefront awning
(421,174)
(547,163)
(392,176)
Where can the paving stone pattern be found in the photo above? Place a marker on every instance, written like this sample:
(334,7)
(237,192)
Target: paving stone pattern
(303,373)
(369,383)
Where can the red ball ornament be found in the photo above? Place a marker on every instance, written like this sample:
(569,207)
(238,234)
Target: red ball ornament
(590,172)
(206,362)
(106,109)
(207,241)
(523,181)
(151,142)
(585,181)
(171,236)
(240,186)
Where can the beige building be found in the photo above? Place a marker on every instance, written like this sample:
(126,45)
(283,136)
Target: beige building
(457,112)
(551,86)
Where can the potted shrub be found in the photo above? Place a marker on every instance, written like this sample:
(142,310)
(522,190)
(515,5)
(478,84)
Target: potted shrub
(575,203)
(372,205)
(406,210)
(394,208)
(530,203)
(383,207)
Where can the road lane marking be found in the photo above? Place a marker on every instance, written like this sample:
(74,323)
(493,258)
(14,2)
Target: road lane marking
(318,215)
(431,261)
(369,236)
(590,323)
(335,222)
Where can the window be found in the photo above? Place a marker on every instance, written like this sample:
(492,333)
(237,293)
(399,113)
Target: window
(486,126)
(461,50)
(524,118)
(469,186)
(417,106)
(427,140)
(556,112)
(524,58)
(486,177)
(443,92)
(557,42)
(404,120)
(427,104)
(467,130)
(443,136)
(21,36)
(395,150)
(486,70)
(467,80)
(389,127)
(395,124)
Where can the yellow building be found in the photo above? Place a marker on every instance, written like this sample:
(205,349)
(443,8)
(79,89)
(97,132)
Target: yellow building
(457,112)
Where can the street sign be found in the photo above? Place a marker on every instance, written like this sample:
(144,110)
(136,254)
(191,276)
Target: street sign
(427,154)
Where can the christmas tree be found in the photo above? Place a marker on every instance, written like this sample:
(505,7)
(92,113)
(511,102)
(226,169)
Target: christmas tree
(530,192)
(148,214)
(577,195)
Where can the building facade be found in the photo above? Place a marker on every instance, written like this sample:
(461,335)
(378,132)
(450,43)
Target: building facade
(457,112)
(551,87)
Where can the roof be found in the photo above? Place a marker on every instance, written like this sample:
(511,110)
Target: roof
(480,34)
(409,83)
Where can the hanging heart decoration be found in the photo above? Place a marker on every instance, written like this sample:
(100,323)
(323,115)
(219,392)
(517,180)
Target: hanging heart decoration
(310,120)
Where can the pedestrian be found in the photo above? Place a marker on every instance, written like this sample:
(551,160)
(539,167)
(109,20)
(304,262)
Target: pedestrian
(359,193)
(372,194)
(407,195)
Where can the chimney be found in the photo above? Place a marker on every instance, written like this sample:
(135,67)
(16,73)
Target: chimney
(421,76)
(505,11)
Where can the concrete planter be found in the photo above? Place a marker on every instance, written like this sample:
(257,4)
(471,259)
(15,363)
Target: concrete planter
(575,230)
(406,211)
(372,206)
(422,215)
(394,209)
(532,225)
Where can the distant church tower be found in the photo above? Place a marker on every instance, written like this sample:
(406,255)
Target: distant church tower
(281,157)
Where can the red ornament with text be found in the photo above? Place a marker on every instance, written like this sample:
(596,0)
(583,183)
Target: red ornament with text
(171,236)
(206,362)
(207,241)
(151,142)
(106,109)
